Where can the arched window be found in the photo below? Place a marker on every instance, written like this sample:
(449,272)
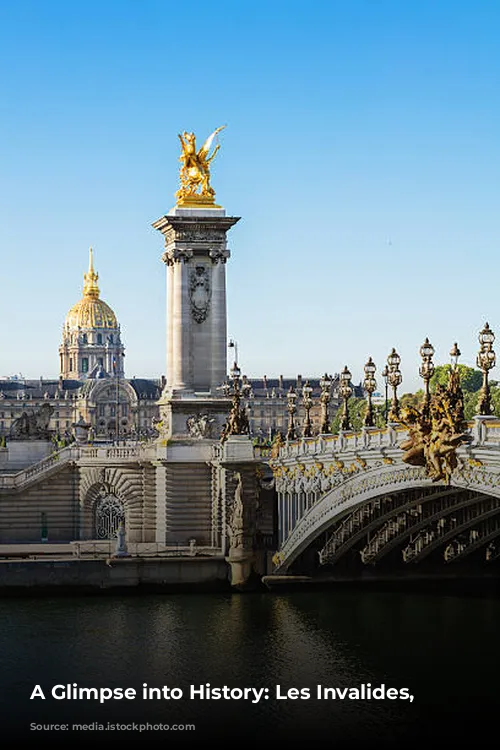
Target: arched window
(108,515)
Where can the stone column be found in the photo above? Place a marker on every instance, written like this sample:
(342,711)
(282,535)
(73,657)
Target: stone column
(218,324)
(170,317)
(181,326)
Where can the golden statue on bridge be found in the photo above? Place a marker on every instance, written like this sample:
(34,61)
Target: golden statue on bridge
(195,187)
(436,430)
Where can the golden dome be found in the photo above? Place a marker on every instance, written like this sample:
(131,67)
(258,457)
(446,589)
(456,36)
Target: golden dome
(90,311)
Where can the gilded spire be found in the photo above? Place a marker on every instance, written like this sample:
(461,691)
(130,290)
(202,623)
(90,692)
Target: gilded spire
(90,288)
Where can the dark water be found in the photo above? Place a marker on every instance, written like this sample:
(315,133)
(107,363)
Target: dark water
(444,649)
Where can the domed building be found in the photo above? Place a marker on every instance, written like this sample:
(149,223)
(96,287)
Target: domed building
(91,343)
(92,386)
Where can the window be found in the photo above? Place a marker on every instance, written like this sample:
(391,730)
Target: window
(100,361)
(99,338)
(85,364)
(110,338)
(84,338)
(112,410)
(71,364)
(124,410)
(101,410)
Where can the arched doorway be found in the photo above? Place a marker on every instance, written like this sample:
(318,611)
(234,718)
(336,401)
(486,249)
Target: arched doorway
(109,513)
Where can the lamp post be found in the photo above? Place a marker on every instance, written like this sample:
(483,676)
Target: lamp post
(369,385)
(455,354)
(345,390)
(325,385)
(234,345)
(291,397)
(308,402)
(237,423)
(426,371)
(395,379)
(385,375)
(486,359)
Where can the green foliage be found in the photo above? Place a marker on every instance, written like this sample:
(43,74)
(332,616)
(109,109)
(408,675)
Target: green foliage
(357,412)
(412,399)
(470,379)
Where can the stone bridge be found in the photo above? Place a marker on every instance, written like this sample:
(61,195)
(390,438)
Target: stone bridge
(349,500)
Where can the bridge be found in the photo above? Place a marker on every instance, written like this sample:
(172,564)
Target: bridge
(352,501)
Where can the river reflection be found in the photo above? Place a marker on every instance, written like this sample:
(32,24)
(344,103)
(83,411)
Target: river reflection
(444,649)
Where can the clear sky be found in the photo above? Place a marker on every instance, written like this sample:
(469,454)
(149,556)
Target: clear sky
(362,152)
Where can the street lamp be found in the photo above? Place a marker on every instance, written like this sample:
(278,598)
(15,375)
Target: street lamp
(291,398)
(395,378)
(325,385)
(345,390)
(308,402)
(234,345)
(385,375)
(369,385)
(486,359)
(455,354)
(426,371)
(237,423)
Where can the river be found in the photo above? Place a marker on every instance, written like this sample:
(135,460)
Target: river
(444,650)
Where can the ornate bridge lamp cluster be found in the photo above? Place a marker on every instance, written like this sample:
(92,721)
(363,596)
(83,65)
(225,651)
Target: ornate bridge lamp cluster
(237,423)
(395,379)
(426,371)
(486,359)
(345,390)
(326,386)
(291,398)
(369,385)
(307,402)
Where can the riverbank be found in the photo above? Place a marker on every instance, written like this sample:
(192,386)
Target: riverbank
(113,575)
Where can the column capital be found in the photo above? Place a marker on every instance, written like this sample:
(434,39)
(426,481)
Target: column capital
(177,255)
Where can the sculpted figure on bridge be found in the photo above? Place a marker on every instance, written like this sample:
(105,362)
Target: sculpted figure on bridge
(195,169)
(436,430)
(33,426)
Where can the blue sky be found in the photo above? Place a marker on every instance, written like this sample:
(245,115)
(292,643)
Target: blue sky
(361,152)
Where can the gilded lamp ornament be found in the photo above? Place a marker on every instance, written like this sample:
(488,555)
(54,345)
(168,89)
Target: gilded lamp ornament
(436,429)
(291,398)
(195,189)
(326,386)
(369,385)
(346,392)
(486,359)
(395,379)
(237,423)
(307,403)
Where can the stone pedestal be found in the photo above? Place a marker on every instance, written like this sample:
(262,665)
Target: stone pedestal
(194,417)
(195,255)
(241,503)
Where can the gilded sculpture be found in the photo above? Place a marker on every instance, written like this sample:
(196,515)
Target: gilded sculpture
(436,430)
(195,170)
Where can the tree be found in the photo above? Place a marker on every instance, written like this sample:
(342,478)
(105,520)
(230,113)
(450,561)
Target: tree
(470,379)
(357,411)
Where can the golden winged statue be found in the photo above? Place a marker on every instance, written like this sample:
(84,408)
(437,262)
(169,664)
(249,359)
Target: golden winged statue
(195,186)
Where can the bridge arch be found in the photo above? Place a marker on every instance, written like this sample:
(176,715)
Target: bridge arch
(357,490)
